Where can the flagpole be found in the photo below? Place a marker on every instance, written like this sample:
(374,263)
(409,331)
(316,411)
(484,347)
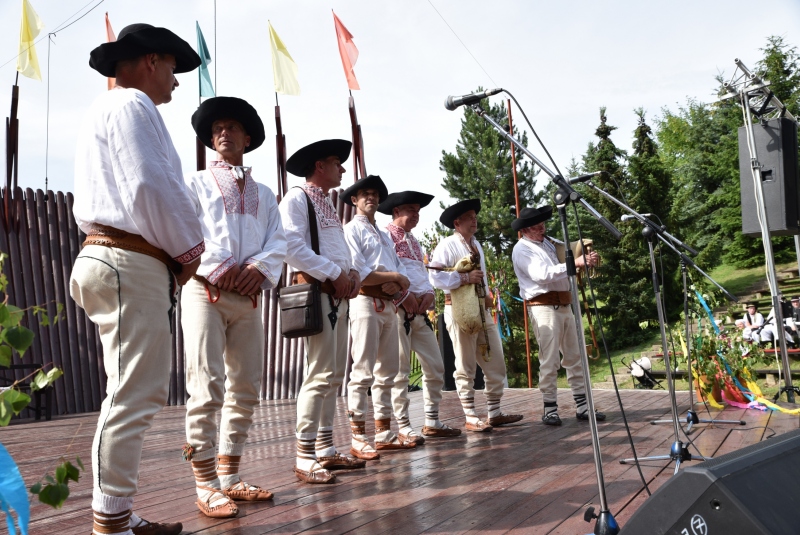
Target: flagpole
(280,151)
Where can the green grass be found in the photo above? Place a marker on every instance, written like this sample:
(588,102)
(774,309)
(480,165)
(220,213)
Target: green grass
(739,281)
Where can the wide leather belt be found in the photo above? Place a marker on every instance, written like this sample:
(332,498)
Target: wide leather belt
(551,298)
(376,292)
(113,237)
(301,277)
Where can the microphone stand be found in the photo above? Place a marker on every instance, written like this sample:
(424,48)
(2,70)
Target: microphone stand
(606,524)
(678,451)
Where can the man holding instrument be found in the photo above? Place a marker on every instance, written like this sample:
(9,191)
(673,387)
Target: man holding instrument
(331,265)
(373,321)
(414,329)
(142,239)
(221,305)
(483,347)
(544,287)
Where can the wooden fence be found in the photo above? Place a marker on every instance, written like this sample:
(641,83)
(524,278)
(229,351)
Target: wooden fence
(42,243)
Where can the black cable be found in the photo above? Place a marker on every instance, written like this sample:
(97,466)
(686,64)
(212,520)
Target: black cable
(599,323)
(532,130)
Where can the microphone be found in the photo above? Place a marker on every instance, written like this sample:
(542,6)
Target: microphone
(584,178)
(630,216)
(452,102)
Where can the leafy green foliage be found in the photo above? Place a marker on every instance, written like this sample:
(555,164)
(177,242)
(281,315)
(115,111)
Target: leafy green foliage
(56,491)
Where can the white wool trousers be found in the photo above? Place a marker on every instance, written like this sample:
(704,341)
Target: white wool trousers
(554,328)
(326,363)
(420,339)
(224,347)
(468,355)
(127,295)
(373,327)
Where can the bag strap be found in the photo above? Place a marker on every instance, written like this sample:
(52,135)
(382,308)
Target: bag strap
(312,223)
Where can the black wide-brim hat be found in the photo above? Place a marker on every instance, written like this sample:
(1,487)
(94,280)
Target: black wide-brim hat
(369,182)
(404,197)
(139,39)
(220,108)
(529,217)
(299,162)
(451,213)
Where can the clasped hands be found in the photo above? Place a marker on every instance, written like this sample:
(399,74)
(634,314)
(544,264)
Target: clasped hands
(247,280)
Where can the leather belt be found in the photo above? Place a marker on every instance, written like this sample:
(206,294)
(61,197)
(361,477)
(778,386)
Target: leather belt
(376,292)
(551,299)
(301,277)
(113,237)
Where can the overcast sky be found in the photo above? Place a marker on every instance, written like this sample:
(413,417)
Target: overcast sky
(562,60)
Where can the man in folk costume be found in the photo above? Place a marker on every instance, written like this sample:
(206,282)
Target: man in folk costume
(142,239)
(373,321)
(321,165)
(483,347)
(544,287)
(414,329)
(221,305)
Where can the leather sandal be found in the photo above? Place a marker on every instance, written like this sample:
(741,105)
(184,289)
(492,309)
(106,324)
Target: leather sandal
(415,438)
(316,476)
(337,461)
(551,419)
(480,427)
(226,510)
(444,431)
(247,492)
(504,419)
(396,443)
(599,416)
(157,528)
(361,454)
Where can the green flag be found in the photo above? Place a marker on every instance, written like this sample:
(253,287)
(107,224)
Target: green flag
(206,88)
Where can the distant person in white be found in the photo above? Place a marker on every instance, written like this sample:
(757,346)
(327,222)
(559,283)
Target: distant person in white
(143,240)
(752,323)
(221,306)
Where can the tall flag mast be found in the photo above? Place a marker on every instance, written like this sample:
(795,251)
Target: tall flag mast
(349,55)
(284,73)
(205,88)
(27,65)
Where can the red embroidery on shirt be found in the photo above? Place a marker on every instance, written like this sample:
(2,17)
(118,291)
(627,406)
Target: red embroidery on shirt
(235,201)
(401,246)
(191,254)
(326,213)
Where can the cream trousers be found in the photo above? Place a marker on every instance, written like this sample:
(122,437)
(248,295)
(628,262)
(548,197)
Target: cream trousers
(224,347)
(468,355)
(373,327)
(127,295)
(554,329)
(422,341)
(326,362)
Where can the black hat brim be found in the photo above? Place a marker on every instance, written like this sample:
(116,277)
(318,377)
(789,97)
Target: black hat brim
(368,182)
(531,216)
(219,108)
(451,213)
(404,197)
(300,162)
(143,40)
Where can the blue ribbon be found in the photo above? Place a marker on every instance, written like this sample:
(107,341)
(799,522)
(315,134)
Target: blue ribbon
(13,493)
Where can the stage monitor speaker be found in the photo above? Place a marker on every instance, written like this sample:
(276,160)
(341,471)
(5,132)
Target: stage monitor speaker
(776,148)
(752,491)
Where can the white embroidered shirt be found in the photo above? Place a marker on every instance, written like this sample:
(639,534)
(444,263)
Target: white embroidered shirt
(538,269)
(410,253)
(449,251)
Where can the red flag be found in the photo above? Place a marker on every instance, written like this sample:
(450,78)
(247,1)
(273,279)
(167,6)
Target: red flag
(110,38)
(348,51)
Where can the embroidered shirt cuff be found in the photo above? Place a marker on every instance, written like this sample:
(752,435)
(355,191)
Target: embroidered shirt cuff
(402,298)
(262,268)
(221,269)
(464,278)
(191,254)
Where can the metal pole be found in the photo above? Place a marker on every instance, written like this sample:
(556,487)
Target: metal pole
(516,199)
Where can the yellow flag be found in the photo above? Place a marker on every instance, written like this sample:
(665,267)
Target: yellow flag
(27,63)
(284,69)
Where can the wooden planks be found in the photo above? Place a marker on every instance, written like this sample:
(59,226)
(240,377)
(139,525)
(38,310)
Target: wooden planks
(525,478)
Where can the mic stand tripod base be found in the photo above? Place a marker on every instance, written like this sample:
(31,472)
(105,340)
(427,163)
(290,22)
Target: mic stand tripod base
(678,452)
(692,420)
(606,524)
(787,390)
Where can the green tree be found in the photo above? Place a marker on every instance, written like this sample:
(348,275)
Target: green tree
(481,168)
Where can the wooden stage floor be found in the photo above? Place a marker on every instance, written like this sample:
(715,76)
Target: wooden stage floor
(527,478)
